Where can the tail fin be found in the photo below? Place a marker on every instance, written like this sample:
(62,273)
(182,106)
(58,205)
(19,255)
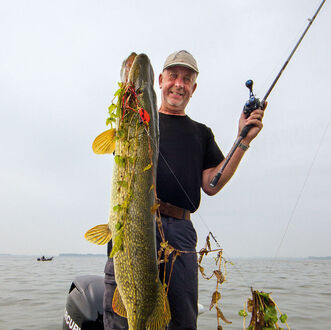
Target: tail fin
(161,315)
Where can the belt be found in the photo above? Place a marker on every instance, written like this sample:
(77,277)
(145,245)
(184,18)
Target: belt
(170,210)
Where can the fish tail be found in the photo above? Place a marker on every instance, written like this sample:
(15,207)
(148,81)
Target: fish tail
(100,234)
(161,315)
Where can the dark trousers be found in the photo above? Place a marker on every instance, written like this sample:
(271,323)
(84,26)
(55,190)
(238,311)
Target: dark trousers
(183,287)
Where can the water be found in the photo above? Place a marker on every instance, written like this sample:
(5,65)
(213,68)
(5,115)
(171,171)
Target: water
(34,293)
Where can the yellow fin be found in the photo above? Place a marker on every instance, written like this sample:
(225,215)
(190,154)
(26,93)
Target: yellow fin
(118,305)
(100,234)
(161,315)
(105,142)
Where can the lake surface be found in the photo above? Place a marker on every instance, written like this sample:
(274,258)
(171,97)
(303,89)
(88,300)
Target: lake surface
(34,293)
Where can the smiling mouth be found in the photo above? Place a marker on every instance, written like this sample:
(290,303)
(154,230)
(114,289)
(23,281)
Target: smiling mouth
(176,93)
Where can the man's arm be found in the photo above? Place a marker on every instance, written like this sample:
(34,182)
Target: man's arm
(207,175)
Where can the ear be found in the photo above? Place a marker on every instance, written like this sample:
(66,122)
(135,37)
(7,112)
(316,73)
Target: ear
(160,80)
(194,88)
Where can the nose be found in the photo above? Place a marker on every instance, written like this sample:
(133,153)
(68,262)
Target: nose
(179,83)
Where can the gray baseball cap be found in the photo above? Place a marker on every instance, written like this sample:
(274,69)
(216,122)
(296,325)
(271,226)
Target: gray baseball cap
(181,58)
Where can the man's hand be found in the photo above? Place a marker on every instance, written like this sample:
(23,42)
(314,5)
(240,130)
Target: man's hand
(254,119)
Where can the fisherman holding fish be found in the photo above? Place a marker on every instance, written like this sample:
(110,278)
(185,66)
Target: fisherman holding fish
(188,160)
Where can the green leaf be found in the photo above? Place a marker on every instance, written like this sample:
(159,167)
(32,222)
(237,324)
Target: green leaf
(263,294)
(242,313)
(118,226)
(110,120)
(117,207)
(118,92)
(118,243)
(270,314)
(125,204)
(111,108)
(283,318)
(149,166)
(118,112)
(119,160)
(123,184)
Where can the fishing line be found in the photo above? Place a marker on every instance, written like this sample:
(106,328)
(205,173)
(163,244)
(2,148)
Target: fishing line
(181,187)
(251,105)
(303,187)
(301,192)
(197,211)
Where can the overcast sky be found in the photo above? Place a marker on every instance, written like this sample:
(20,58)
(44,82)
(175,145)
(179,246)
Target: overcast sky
(59,67)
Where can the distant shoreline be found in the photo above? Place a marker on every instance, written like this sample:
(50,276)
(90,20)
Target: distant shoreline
(320,258)
(82,255)
(105,255)
(55,255)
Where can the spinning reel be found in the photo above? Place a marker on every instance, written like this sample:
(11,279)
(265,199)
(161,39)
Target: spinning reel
(253,103)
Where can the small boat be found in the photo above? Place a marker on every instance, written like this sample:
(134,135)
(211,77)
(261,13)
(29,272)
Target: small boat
(43,258)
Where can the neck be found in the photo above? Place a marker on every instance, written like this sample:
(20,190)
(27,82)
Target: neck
(172,111)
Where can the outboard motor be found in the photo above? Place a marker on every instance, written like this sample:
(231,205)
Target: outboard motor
(84,307)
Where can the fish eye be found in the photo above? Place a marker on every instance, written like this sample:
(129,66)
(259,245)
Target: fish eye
(139,91)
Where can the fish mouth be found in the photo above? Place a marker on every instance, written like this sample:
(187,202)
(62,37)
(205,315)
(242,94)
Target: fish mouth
(137,73)
(141,73)
(126,67)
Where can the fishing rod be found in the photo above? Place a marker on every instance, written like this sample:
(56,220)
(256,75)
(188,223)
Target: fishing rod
(254,103)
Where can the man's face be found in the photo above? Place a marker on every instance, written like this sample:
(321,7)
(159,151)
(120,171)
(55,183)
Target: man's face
(177,85)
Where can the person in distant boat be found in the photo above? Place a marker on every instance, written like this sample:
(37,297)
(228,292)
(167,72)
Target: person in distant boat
(189,158)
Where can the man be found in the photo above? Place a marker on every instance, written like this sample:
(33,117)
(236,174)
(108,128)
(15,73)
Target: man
(189,158)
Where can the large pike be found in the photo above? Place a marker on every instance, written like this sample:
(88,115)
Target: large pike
(139,295)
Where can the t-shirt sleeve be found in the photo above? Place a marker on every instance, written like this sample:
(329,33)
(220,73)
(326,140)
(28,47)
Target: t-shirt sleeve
(213,155)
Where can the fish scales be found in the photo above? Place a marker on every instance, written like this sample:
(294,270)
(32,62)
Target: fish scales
(131,220)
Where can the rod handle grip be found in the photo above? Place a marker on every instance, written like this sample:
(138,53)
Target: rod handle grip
(213,182)
(245,130)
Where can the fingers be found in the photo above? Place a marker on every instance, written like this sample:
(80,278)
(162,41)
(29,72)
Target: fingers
(258,114)
(255,117)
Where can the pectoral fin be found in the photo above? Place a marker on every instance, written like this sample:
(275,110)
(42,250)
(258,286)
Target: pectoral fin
(105,142)
(100,234)
(161,315)
(118,305)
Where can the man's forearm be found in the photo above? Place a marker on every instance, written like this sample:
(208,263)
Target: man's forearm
(228,172)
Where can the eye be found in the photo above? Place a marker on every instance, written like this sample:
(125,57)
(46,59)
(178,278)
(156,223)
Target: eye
(187,79)
(173,75)
(139,91)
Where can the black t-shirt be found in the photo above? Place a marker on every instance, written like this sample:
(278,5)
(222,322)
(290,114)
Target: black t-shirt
(186,149)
